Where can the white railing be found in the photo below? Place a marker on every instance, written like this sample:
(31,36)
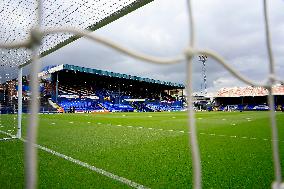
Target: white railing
(190,51)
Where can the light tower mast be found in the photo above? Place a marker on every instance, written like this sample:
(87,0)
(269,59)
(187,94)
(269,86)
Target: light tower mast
(203,59)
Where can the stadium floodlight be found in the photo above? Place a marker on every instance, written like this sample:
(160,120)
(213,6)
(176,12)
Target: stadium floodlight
(203,59)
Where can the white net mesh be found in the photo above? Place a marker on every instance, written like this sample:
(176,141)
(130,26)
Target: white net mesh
(18,17)
(16,23)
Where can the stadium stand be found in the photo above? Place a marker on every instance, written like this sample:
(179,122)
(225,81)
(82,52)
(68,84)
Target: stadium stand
(68,88)
(248,98)
(80,89)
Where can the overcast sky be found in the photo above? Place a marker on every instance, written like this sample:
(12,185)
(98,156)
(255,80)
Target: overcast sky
(234,29)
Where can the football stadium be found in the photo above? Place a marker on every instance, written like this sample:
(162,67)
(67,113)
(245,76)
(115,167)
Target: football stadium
(80,126)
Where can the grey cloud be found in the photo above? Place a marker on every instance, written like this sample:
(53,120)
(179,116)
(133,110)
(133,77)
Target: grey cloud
(234,29)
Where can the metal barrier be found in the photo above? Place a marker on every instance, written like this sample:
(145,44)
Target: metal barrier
(190,51)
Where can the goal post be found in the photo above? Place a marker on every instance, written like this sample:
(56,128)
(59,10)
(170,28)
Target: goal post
(20,102)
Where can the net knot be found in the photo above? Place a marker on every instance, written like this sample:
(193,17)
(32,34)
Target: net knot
(35,38)
(189,52)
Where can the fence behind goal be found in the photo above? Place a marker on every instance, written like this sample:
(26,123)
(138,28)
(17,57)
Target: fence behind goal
(26,49)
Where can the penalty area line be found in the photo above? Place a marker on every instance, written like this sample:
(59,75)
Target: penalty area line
(86,165)
(90,167)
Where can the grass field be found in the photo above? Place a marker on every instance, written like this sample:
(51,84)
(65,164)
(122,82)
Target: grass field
(148,148)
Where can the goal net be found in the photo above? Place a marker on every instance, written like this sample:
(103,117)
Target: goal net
(20,17)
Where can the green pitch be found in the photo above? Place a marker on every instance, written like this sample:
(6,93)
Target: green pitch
(148,148)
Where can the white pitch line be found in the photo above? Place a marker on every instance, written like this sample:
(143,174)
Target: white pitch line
(86,165)
(180,131)
(10,135)
(91,167)
(5,139)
